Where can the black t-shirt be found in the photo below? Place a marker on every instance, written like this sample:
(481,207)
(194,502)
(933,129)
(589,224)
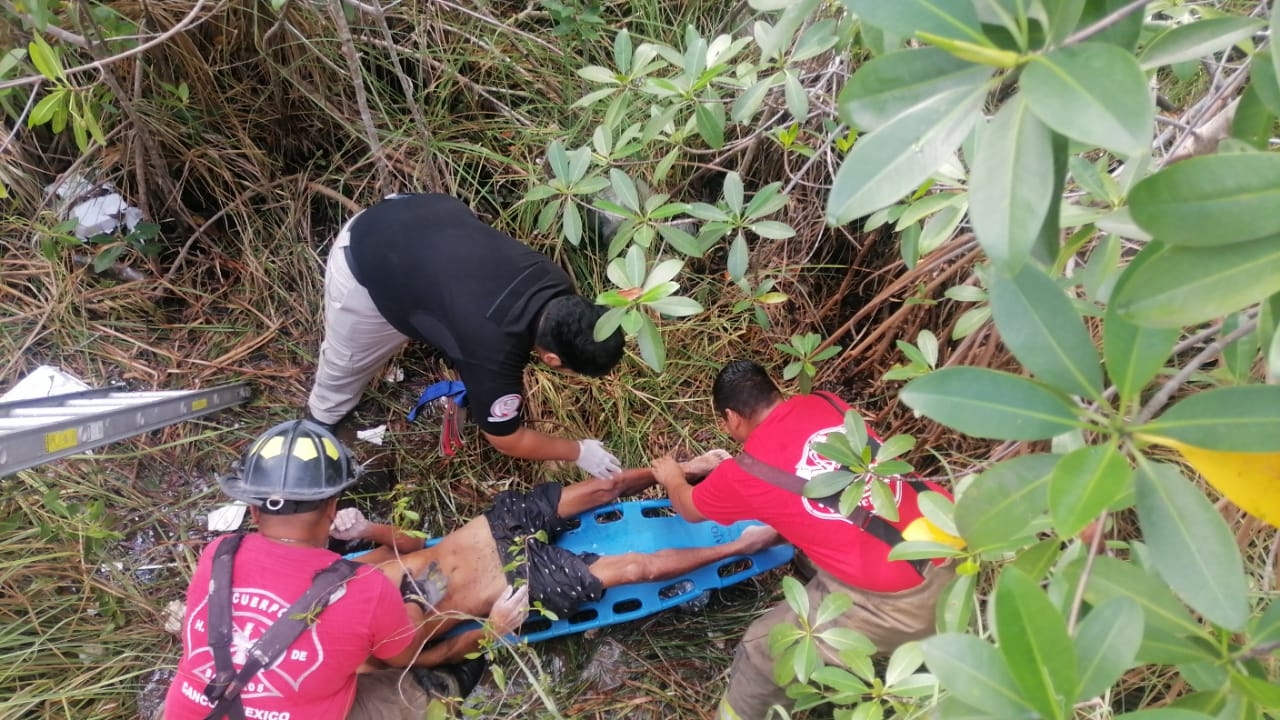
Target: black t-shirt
(440,275)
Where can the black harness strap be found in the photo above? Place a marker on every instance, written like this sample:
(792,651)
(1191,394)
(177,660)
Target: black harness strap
(224,689)
(865,519)
(220,631)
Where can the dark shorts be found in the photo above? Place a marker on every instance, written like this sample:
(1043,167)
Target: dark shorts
(559,579)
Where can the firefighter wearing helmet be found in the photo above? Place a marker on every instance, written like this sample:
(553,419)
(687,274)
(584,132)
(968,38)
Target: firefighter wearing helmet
(276,624)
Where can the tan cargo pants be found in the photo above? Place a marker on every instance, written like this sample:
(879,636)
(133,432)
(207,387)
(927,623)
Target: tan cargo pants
(388,694)
(358,341)
(887,619)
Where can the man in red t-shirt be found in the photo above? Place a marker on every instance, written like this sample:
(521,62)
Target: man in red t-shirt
(316,678)
(291,476)
(893,601)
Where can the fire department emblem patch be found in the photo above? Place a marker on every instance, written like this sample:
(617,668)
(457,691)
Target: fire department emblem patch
(504,408)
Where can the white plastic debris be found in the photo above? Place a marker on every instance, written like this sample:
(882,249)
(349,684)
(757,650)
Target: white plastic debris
(103,215)
(44,381)
(394,374)
(96,207)
(373,435)
(227,518)
(174,612)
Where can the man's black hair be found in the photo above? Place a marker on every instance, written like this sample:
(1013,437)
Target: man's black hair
(568,329)
(744,387)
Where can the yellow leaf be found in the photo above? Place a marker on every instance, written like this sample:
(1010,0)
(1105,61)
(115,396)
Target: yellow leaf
(921,529)
(1250,480)
(981,54)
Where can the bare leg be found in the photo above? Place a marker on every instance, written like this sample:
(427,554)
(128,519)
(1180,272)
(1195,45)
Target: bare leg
(647,567)
(590,494)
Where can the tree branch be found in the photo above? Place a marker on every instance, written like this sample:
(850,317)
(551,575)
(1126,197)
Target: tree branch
(1103,24)
(434,181)
(1077,600)
(22,117)
(362,99)
(1166,392)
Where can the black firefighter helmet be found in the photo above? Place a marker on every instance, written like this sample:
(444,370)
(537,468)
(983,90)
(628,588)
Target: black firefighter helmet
(293,467)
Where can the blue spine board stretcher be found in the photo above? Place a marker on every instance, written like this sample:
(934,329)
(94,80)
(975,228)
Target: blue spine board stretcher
(647,526)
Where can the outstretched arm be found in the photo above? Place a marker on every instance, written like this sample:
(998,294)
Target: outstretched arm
(351,524)
(672,478)
(590,494)
(588,454)
(530,444)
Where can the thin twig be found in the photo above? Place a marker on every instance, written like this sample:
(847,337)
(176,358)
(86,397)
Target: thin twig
(1197,116)
(1077,600)
(480,90)
(136,121)
(420,122)
(1213,102)
(351,205)
(1196,339)
(142,197)
(22,117)
(226,208)
(959,245)
(828,140)
(1183,346)
(362,101)
(1103,24)
(502,26)
(281,21)
(1167,391)
(1268,576)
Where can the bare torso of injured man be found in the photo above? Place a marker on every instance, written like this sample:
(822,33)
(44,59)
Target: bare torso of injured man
(510,545)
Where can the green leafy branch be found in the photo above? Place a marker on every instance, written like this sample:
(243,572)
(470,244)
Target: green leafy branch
(808,351)
(861,458)
(641,293)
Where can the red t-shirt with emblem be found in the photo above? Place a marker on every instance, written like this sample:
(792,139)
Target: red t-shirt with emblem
(316,677)
(785,440)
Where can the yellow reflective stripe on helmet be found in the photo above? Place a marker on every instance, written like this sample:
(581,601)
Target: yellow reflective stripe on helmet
(270,447)
(305,449)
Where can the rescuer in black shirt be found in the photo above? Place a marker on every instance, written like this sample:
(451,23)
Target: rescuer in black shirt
(424,267)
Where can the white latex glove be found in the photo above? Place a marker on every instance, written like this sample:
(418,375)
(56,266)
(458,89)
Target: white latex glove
(596,461)
(349,524)
(509,611)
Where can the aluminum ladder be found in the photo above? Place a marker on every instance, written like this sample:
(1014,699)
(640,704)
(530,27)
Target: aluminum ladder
(38,430)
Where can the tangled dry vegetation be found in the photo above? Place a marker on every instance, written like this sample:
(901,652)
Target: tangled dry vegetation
(288,122)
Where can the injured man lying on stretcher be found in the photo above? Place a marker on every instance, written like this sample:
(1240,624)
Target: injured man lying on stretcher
(470,573)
